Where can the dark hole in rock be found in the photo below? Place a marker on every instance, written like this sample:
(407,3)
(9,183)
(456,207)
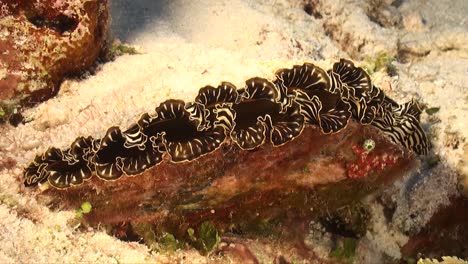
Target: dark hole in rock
(405,55)
(60,23)
(280,260)
(338,227)
(125,232)
(376,19)
(347,222)
(15,119)
(389,211)
(310,9)
(389,207)
(397,3)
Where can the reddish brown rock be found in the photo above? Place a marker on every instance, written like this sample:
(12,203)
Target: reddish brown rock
(446,234)
(42,41)
(234,188)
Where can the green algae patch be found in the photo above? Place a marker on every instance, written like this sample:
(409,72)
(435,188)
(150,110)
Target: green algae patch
(207,239)
(8,200)
(382,61)
(86,207)
(191,234)
(432,110)
(433,160)
(2,113)
(346,252)
(168,242)
(267,227)
(145,231)
(118,49)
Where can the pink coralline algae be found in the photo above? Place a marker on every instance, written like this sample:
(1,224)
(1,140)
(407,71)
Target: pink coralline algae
(368,161)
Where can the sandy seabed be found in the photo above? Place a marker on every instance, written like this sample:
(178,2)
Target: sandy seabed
(186,45)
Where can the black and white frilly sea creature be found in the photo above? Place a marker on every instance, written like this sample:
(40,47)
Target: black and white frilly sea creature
(262,112)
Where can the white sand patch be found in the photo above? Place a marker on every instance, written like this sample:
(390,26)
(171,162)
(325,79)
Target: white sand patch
(187,45)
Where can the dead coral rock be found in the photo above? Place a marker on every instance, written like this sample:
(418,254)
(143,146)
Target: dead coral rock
(384,13)
(43,41)
(355,31)
(445,234)
(413,22)
(413,46)
(235,189)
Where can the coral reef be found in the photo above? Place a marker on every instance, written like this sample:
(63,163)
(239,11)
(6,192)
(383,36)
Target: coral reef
(41,42)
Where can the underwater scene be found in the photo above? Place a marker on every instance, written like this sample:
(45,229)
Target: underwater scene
(240,131)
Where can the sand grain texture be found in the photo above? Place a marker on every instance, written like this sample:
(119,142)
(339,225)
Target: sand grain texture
(186,45)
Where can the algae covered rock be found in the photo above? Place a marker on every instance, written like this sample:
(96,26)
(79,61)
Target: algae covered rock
(41,42)
(248,160)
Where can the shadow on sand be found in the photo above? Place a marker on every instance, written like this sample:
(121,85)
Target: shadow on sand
(130,17)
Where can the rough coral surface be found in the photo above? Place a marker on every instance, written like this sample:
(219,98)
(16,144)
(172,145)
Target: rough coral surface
(41,42)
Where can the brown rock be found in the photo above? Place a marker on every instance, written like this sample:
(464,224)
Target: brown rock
(41,42)
(446,234)
(305,178)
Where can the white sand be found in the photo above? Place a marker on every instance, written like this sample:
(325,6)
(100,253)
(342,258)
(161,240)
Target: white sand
(189,44)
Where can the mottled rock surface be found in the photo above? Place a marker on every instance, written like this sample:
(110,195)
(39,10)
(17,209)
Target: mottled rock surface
(445,234)
(235,187)
(42,42)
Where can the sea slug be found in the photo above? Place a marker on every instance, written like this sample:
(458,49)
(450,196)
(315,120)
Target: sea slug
(263,112)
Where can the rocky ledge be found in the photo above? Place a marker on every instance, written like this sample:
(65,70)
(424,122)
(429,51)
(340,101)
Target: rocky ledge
(41,42)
